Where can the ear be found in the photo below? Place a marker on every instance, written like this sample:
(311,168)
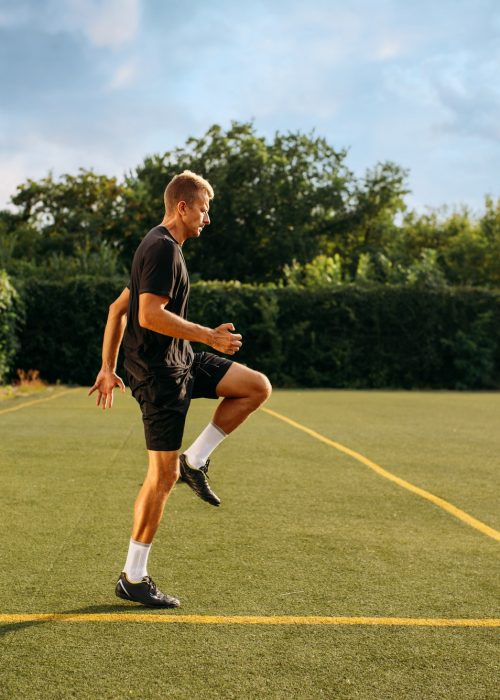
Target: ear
(181,207)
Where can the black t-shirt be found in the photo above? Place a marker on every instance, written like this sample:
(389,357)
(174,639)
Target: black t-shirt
(159,268)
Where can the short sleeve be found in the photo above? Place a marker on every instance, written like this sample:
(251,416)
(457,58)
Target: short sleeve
(159,269)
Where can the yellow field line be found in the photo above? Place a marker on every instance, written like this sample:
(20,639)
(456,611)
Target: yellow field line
(249,619)
(32,403)
(440,502)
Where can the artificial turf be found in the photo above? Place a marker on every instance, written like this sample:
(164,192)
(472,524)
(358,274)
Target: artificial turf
(302,530)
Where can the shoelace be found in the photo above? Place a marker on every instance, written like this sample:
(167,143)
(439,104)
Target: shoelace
(151,585)
(204,468)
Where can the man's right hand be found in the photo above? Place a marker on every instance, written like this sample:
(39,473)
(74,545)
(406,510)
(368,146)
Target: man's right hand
(225,341)
(105,383)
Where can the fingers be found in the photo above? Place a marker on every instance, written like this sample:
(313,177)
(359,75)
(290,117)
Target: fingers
(105,400)
(231,347)
(229,328)
(102,400)
(105,388)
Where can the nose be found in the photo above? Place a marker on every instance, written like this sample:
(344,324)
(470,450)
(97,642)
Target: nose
(206,220)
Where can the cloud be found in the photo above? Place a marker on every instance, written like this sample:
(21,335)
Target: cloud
(12,172)
(468,88)
(107,23)
(107,81)
(37,153)
(28,157)
(104,23)
(388,48)
(124,76)
(458,90)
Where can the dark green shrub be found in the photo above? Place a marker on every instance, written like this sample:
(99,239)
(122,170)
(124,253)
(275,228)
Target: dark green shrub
(11,317)
(351,336)
(62,337)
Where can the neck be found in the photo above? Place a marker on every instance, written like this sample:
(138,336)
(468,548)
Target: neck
(174,230)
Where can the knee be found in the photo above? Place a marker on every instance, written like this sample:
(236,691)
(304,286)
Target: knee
(262,389)
(168,480)
(174,474)
(165,482)
(164,475)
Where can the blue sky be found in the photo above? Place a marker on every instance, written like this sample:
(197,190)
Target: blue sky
(103,83)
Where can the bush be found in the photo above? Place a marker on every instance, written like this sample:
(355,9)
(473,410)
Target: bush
(11,317)
(396,337)
(62,337)
(342,336)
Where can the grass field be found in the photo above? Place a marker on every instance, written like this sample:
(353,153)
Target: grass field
(304,532)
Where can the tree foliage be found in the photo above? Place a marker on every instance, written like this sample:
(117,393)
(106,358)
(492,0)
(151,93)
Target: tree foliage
(287,210)
(270,201)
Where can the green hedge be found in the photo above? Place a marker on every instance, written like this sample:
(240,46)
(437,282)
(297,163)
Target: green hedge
(11,319)
(339,337)
(62,336)
(362,337)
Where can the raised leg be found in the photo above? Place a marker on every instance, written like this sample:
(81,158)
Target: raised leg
(243,391)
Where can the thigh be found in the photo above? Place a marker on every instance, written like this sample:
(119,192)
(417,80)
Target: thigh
(164,403)
(164,425)
(239,382)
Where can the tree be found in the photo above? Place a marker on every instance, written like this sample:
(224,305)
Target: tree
(73,213)
(465,248)
(286,209)
(367,221)
(270,200)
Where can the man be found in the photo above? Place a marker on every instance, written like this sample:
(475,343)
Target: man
(164,374)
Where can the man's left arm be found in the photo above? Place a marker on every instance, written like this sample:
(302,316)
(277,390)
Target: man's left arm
(107,379)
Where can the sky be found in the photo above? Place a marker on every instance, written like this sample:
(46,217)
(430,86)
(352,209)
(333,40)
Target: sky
(103,83)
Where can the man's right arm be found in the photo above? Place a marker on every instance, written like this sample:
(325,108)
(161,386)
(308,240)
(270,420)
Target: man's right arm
(107,379)
(154,317)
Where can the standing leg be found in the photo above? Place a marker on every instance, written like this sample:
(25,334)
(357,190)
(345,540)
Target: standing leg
(163,472)
(134,583)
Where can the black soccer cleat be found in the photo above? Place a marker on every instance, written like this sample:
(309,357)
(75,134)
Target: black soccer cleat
(203,468)
(197,479)
(145,592)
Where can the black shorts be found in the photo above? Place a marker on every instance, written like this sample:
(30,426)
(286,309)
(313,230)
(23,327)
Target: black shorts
(164,397)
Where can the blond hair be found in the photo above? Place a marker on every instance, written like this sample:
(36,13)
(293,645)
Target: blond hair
(185,188)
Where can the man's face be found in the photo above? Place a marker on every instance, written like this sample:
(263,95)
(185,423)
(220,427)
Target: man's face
(196,215)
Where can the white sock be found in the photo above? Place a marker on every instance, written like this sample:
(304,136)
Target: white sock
(204,445)
(137,561)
